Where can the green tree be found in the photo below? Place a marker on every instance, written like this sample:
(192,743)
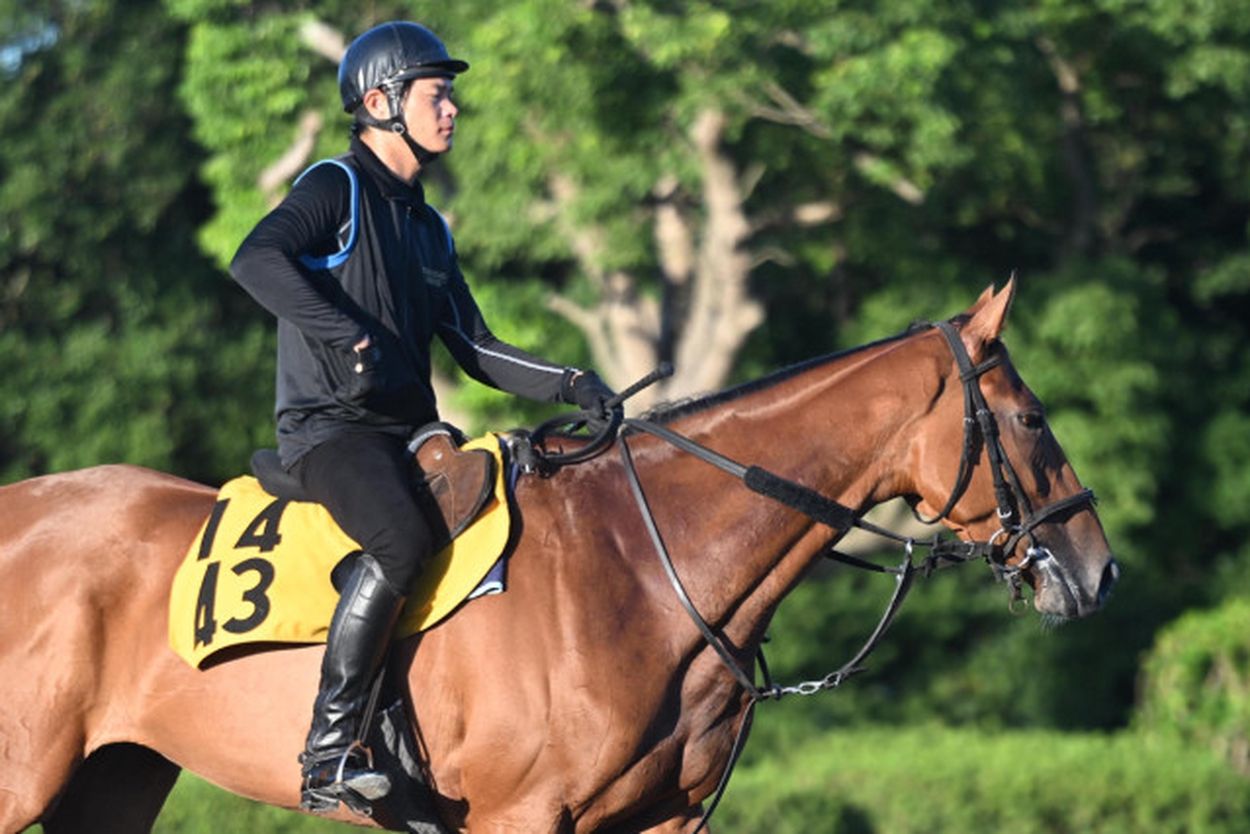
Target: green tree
(110,318)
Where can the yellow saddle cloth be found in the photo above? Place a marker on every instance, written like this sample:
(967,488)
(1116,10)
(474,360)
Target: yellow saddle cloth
(259,570)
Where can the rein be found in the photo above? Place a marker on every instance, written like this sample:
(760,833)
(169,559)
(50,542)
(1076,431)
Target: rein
(1014,510)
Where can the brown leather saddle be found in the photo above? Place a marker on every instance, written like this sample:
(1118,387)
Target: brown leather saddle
(452,485)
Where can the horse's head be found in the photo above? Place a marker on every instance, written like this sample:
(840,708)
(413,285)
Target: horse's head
(985,460)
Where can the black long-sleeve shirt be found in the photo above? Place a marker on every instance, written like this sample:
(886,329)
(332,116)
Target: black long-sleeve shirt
(354,251)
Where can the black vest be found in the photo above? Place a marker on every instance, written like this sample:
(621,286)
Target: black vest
(391,271)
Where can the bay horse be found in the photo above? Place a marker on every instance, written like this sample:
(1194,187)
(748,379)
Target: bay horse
(583,699)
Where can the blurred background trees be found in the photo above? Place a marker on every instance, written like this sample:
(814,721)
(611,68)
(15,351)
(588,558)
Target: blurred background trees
(730,186)
(111,317)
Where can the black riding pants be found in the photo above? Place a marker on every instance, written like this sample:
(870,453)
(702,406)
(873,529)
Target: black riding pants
(364,479)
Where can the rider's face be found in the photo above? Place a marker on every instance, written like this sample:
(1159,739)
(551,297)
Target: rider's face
(430,113)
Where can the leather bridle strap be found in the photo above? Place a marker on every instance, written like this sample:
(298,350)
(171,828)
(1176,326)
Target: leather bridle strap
(794,495)
(976,416)
(1015,511)
(1084,498)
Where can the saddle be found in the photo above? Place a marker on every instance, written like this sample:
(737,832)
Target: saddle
(451,485)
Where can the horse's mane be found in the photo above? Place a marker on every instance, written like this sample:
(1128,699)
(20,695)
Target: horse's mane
(676,409)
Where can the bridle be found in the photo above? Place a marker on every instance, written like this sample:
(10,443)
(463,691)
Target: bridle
(1015,512)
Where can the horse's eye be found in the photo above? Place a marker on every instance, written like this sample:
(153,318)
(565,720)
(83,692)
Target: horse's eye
(1031,419)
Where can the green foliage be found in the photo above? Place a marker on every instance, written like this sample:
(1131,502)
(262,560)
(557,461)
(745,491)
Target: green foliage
(931,780)
(132,392)
(111,321)
(1226,443)
(1091,350)
(267,73)
(1196,682)
(196,807)
(544,102)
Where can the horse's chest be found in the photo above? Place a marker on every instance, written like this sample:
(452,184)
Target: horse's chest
(677,756)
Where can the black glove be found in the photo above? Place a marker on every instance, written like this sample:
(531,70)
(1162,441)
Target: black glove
(591,394)
(377,372)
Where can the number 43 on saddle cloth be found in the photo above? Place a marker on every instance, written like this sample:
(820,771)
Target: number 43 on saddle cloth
(260,570)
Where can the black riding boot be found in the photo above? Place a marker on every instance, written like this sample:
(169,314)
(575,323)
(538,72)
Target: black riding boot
(336,765)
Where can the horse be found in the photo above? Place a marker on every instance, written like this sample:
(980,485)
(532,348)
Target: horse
(584,699)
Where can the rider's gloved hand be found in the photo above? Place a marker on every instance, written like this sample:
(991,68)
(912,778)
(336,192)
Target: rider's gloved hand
(376,371)
(591,394)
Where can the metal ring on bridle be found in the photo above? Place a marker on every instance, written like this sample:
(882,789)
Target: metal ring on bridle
(1007,535)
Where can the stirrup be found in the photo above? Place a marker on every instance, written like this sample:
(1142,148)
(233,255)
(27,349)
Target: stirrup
(356,790)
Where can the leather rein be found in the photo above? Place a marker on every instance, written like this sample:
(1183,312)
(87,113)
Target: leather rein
(1016,516)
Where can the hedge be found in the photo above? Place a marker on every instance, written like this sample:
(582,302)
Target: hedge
(1196,682)
(939,781)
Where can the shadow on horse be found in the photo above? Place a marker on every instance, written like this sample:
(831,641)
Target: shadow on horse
(584,699)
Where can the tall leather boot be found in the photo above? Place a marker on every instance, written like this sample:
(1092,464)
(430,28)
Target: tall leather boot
(336,765)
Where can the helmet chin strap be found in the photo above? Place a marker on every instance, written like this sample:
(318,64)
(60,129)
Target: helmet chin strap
(395,124)
(422,154)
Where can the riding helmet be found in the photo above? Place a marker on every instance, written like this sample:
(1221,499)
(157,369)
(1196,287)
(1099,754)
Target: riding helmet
(389,54)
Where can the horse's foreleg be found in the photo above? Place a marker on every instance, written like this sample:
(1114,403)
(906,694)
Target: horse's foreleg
(39,750)
(119,789)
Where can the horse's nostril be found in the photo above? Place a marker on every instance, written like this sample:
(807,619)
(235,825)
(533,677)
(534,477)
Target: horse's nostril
(1110,575)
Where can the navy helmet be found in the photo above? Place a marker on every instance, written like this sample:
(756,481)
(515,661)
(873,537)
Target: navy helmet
(388,55)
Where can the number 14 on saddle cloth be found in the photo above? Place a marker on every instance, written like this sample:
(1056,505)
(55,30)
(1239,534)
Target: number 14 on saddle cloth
(260,570)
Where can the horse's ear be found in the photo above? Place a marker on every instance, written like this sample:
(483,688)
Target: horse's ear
(986,295)
(989,316)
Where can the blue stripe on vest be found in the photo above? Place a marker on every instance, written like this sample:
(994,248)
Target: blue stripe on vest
(331,261)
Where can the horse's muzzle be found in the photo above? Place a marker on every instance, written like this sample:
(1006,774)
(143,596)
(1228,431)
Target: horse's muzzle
(1070,594)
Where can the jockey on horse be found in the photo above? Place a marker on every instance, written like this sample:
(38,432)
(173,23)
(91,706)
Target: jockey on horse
(362,273)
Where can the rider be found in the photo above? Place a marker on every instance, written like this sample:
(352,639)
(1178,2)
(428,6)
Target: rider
(361,273)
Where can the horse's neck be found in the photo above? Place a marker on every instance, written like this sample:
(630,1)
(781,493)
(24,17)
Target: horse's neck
(837,427)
